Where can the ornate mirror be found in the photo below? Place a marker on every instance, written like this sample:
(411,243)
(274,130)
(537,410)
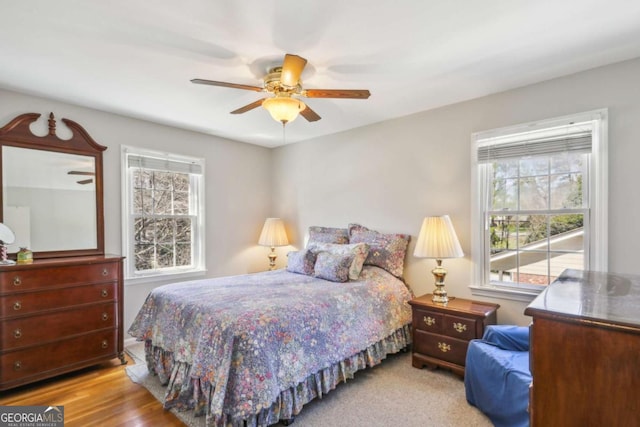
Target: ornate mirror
(51,189)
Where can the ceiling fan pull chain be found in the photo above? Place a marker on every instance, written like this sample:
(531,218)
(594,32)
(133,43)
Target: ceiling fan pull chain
(283,132)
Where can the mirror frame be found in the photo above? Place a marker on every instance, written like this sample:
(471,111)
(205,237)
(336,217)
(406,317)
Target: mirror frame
(17,133)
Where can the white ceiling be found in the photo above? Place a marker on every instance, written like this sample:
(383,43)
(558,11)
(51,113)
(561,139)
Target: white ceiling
(137,58)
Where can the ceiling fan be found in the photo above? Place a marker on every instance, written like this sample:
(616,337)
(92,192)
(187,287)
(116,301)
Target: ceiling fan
(286,87)
(83,181)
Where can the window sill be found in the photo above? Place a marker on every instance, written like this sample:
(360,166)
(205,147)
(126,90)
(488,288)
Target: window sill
(165,277)
(504,292)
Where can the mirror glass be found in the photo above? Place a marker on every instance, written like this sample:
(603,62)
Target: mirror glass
(49,199)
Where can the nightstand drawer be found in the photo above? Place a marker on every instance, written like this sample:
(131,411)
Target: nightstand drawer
(460,327)
(428,321)
(441,347)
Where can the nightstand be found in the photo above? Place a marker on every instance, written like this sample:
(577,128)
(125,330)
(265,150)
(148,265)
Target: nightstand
(441,332)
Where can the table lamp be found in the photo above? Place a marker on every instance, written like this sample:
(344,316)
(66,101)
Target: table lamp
(6,238)
(438,240)
(273,234)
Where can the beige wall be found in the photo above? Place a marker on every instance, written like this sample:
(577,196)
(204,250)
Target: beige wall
(387,176)
(237,183)
(390,175)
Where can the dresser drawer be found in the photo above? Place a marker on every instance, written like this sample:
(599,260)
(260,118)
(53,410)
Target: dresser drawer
(57,357)
(37,278)
(30,330)
(462,328)
(441,347)
(428,321)
(20,304)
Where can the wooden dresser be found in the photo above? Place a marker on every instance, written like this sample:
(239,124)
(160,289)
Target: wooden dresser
(58,315)
(441,332)
(585,344)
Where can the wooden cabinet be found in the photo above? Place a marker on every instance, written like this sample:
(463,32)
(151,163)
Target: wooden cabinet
(441,332)
(585,342)
(58,315)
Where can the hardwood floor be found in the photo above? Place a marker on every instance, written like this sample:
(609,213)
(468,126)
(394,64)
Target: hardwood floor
(99,396)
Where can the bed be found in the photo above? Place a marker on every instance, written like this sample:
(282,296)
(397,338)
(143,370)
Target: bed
(254,349)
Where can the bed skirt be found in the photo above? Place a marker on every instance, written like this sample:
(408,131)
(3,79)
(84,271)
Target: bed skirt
(186,393)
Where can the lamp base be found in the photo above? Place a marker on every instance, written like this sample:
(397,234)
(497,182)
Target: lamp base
(272,259)
(439,293)
(440,296)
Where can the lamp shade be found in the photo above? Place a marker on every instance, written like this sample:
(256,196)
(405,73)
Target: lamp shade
(273,233)
(6,235)
(438,239)
(283,108)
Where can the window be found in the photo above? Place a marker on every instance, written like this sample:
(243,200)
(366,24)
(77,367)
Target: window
(163,214)
(539,203)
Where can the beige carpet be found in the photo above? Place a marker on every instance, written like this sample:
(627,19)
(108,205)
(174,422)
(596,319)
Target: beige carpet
(391,394)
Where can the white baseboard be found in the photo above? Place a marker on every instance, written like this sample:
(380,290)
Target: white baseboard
(130,341)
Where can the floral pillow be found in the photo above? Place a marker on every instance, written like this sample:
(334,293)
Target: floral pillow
(328,235)
(301,262)
(333,267)
(385,250)
(358,250)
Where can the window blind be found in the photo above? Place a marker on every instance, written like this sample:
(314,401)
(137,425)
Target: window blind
(169,165)
(575,142)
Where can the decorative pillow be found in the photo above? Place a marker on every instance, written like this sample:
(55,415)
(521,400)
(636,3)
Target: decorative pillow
(332,266)
(328,235)
(385,250)
(358,250)
(301,262)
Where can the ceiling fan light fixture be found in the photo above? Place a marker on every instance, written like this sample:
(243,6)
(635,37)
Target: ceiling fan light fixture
(283,109)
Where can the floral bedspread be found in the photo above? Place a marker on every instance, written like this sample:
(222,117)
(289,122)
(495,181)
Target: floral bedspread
(230,347)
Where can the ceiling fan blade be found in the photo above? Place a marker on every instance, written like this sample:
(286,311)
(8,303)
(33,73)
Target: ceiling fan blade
(336,93)
(292,69)
(80,173)
(310,115)
(85,181)
(226,84)
(248,107)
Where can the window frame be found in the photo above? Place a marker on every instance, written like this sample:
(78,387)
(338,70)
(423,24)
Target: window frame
(597,175)
(198,268)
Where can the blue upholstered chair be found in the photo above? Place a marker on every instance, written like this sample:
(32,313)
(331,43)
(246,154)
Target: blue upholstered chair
(497,375)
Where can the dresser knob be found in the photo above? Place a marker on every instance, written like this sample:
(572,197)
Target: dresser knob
(17,305)
(105,272)
(460,327)
(430,321)
(105,343)
(105,316)
(17,281)
(17,333)
(104,293)
(444,347)
(17,365)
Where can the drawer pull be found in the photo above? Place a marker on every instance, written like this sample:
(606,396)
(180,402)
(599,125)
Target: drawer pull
(105,316)
(105,343)
(104,293)
(17,305)
(17,281)
(17,334)
(460,327)
(444,347)
(105,272)
(17,365)
(430,321)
